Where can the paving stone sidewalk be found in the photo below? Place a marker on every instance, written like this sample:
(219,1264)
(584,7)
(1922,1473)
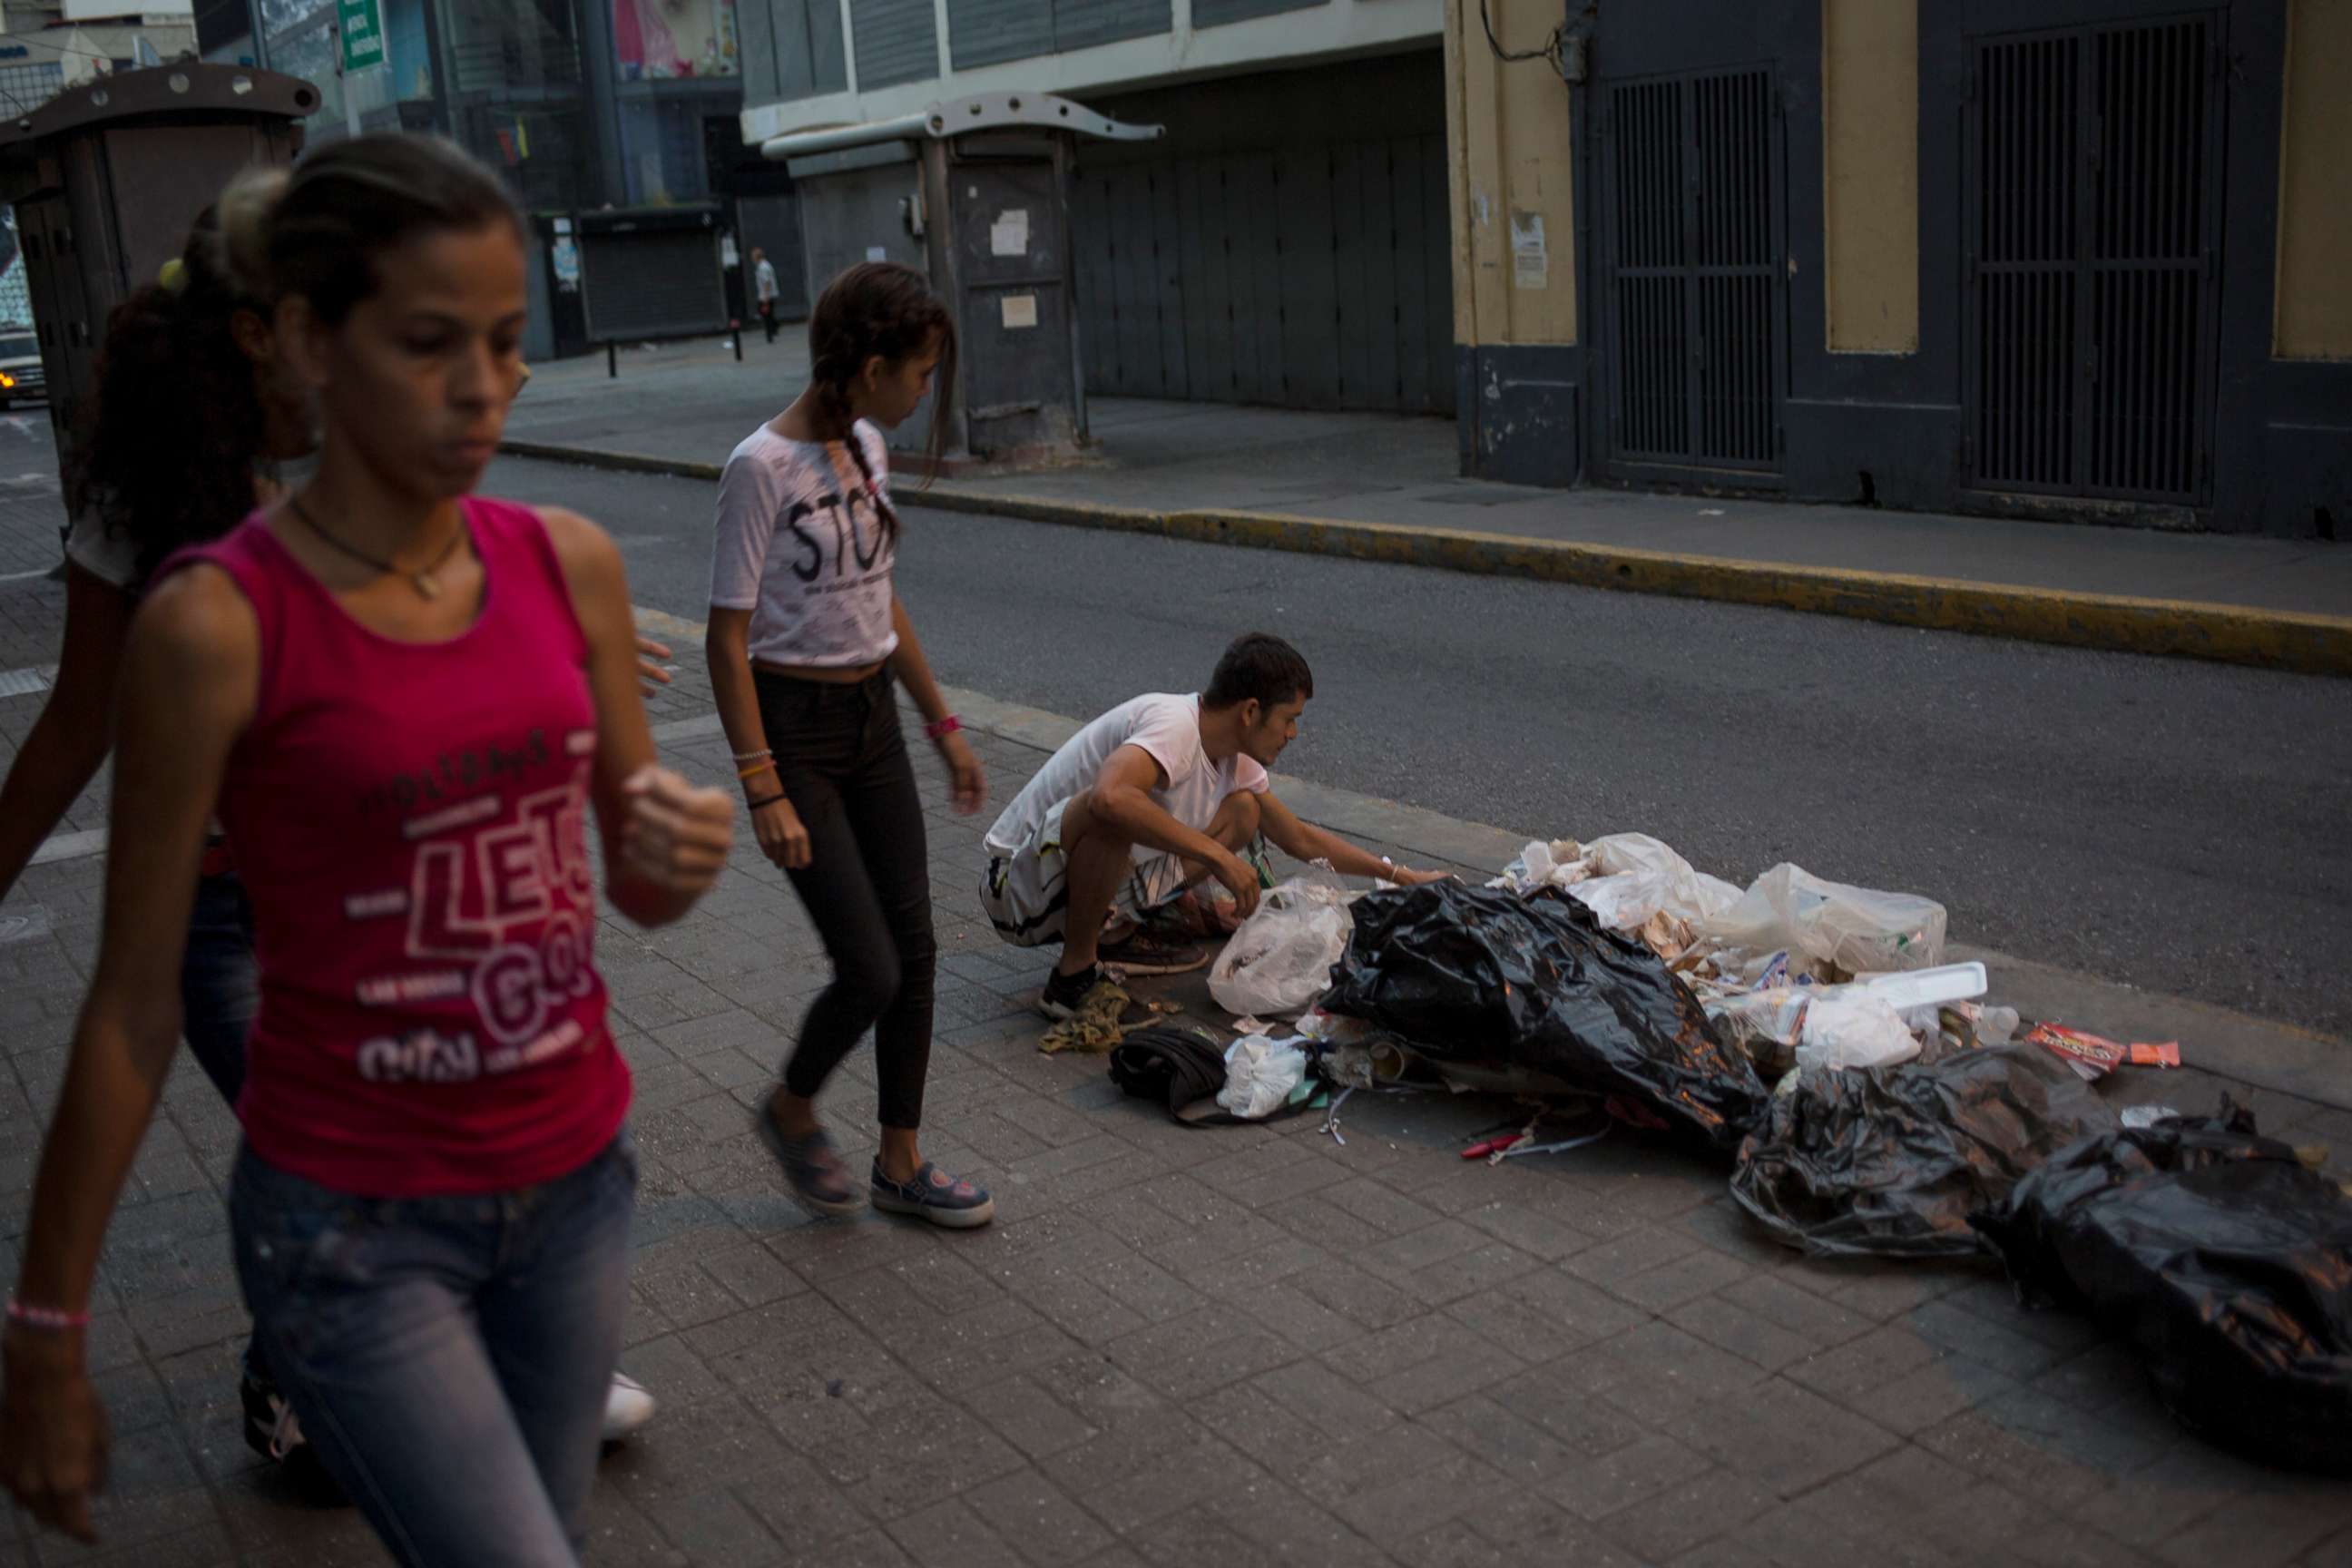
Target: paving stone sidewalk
(1176,1347)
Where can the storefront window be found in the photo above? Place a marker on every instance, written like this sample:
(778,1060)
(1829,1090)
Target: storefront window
(663,138)
(671,40)
(303,42)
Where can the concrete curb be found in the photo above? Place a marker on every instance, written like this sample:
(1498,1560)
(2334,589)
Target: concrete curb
(2174,628)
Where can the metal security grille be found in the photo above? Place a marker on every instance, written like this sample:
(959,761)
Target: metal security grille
(2093,208)
(1310,276)
(652,284)
(1693,171)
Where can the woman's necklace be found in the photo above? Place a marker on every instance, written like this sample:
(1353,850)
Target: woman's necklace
(422,577)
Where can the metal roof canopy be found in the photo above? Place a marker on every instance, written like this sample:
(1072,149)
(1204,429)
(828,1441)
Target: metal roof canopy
(106,179)
(954,117)
(188,93)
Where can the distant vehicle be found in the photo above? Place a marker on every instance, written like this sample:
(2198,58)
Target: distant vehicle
(21,377)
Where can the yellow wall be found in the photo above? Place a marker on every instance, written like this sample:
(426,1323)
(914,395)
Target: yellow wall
(1511,159)
(2313,317)
(1870,173)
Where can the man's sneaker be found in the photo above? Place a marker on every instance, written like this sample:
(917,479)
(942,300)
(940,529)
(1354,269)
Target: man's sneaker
(627,1407)
(1062,993)
(815,1174)
(933,1194)
(273,1431)
(1144,950)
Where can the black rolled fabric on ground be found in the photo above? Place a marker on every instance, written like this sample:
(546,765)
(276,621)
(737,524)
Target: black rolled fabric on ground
(1486,978)
(1889,1161)
(2224,1262)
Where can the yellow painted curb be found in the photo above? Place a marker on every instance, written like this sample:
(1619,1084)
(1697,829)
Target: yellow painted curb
(2175,628)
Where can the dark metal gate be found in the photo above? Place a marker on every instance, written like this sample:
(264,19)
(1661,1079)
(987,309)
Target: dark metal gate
(1310,276)
(1693,261)
(2093,211)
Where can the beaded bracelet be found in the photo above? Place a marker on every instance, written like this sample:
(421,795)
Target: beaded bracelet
(755,756)
(939,729)
(48,1320)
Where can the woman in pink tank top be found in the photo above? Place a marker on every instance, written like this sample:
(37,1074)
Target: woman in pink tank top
(405,703)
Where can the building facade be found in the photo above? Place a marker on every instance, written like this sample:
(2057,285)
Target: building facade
(48,45)
(584,104)
(2083,260)
(592,109)
(1284,242)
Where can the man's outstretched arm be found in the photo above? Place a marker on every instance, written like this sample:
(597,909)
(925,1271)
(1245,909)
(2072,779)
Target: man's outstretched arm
(1302,841)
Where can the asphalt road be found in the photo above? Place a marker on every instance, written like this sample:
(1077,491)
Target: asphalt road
(2179,827)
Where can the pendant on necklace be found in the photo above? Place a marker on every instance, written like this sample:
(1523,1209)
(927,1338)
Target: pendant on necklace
(425,586)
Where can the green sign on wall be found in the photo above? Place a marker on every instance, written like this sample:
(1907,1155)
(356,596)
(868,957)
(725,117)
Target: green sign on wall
(363,25)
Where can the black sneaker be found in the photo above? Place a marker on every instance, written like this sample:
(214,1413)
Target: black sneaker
(1062,993)
(1144,950)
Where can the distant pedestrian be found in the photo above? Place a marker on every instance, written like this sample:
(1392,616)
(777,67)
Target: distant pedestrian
(808,644)
(430,1211)
(763,287)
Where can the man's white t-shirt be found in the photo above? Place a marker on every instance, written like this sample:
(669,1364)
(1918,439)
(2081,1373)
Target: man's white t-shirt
(1166,726)
(764,280)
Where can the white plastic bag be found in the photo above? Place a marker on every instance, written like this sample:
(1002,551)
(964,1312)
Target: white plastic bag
(1559,864)
(1260,1074)
(1850,1027)
(1635,877)
(1280,961)
(1854,930)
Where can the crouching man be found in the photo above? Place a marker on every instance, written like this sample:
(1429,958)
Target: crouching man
(1157,797)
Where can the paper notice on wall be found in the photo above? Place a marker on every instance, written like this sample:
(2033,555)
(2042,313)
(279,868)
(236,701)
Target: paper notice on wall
(1530,261)
(1020,312)
(876,253)
(1009,235)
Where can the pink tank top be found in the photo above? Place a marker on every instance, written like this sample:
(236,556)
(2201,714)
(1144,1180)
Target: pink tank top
(412,822)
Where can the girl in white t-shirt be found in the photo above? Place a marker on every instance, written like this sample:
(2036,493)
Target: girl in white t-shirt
(808,644)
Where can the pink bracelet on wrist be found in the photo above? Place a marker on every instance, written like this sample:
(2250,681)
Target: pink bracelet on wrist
(939,729)
(48,1320)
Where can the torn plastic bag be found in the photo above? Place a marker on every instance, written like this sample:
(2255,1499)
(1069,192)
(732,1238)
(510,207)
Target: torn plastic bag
(2222,1260)
(1851,931)
(1280,960)
(1890,1161)
(1260,1073)
(1851,1027)
(1636,878)
(1481,978)
(1559,864)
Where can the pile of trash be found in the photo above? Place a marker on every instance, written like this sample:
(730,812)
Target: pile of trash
(1872,1101)
(2220,1257)
(1540,991)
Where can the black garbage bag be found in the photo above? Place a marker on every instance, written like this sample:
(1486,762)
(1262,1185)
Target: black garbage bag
(2225,1264)
(1889,1161)
(1485,978)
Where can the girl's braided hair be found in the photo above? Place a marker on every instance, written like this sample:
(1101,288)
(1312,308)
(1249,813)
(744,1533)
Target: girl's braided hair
(880,308)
